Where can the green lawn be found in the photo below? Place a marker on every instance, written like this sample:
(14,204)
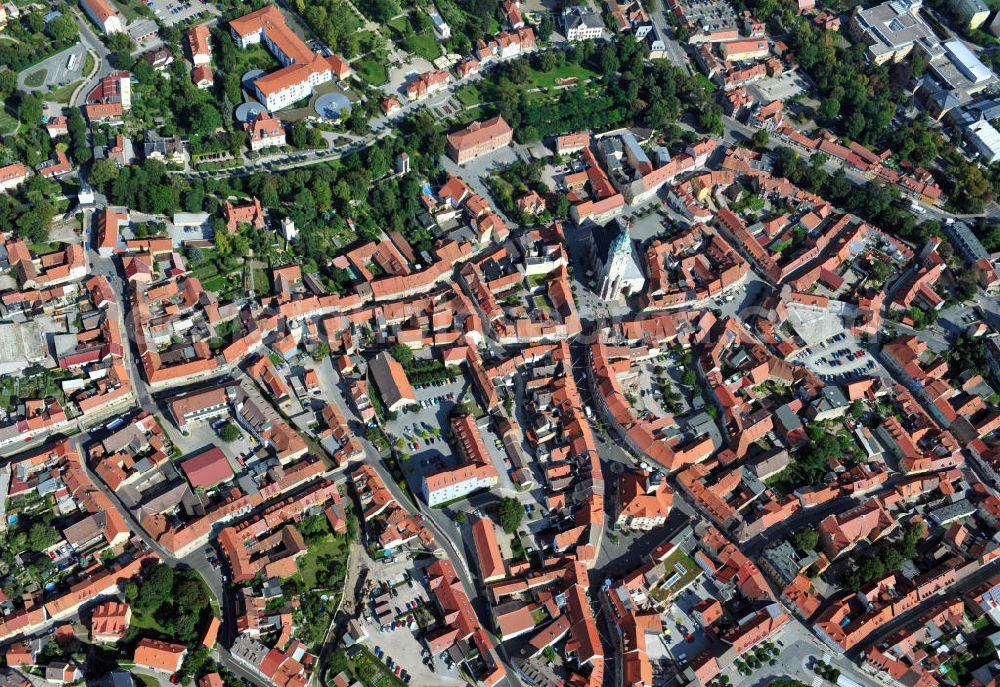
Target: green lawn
(469,96)
(548,79)
(706,82)
(44,248)
(424,44)
(214,283)
(334,546)
(364,37)
(130,8)
(372,71)
(36,78)
(261,282)
(398,24)
(143,621)
(63,93)
(256,57)
(203,269)
(88,63)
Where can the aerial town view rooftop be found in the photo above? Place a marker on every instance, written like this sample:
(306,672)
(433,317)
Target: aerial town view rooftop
(500,343)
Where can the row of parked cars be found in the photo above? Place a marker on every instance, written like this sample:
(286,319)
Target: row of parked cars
(850,373)
(392,665)
(437,400)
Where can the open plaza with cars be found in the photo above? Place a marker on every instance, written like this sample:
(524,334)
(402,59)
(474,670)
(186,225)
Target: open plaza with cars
(180,11)
(839,357)
(395,613)
(425,430)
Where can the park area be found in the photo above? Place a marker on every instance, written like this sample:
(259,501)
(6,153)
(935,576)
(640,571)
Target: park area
(415,34)
(561,76)
(372,69)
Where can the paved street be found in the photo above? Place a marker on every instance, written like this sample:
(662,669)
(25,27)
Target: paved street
(92,43)
(675,51)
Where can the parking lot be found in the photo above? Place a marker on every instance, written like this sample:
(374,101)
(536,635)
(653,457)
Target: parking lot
(839,358)
(399,598)
(425,448)
(176,11)
(61,69)
(682,636)
(202,435)
(815,325)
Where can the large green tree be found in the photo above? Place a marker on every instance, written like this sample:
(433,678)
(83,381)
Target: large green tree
(509,514)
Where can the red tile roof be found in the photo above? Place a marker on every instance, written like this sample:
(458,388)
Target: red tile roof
(207,469)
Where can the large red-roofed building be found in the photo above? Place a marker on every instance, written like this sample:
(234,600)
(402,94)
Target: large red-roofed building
(207,469)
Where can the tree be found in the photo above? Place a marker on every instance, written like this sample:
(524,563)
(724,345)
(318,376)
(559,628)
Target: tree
(357,121)
(29,109)
(857,409)
(856,123)
(62,28)
(760,138)
(545,61)
(806,539)
(33,225)
(8,82)
(103,173)
(314,527)
(560,205)
(229,432)
(120,41)
(710,119)
(609,61)
(829,109)
(402,353)
(156,588)
(204,119)
(79,150)
(322,352)
(191,596)
(41,536)
(227,111)
(300,134)
(509,514)
(545,26)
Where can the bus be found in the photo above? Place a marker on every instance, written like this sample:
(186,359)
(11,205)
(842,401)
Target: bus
(74,59)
